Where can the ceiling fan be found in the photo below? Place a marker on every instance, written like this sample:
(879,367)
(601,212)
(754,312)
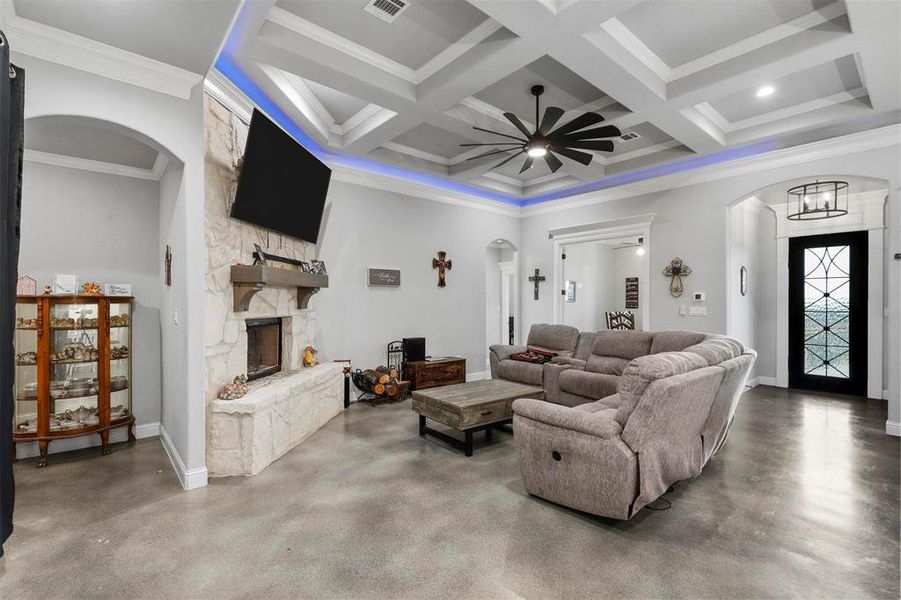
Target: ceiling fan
(566,140)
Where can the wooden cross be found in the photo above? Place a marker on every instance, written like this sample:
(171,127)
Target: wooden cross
(536,279)
(677,271)
(441,263)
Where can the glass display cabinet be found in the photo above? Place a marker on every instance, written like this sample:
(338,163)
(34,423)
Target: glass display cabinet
(73,368)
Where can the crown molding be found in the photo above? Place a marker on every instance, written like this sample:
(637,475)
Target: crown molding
(77,52)
(96,166)
(839,146)
(224,91)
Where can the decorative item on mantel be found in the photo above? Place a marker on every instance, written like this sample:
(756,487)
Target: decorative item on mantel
(269,269)
(442,263)
(676,271)
(309,356)
(234,390)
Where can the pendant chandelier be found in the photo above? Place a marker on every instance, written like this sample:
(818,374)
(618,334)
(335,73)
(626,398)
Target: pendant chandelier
(818,200)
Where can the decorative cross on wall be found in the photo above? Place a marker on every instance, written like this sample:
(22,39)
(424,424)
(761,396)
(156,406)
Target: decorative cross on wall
(536,279)
(441,263)
(677,271)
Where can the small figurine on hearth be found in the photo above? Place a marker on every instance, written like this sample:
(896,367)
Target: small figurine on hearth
(234,390)
(309,356)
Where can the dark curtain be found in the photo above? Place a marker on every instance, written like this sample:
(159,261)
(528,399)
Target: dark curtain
(12,104)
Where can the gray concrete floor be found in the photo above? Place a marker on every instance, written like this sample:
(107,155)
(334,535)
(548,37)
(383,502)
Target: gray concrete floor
(803,501)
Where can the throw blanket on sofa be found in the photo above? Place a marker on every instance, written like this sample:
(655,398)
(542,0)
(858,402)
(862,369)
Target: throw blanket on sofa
(533,355)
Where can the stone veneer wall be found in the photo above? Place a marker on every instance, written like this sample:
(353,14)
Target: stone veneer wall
(229,242)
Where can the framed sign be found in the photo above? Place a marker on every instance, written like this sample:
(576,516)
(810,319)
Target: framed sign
(384,278)
(631,292)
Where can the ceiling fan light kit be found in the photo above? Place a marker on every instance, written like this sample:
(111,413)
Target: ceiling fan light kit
(545,142)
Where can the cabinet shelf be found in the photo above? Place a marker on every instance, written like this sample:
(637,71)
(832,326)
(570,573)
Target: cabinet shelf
(35,403)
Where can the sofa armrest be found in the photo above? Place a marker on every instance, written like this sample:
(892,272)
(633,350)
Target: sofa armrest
(567,418)
(566,360)
(550,377)
(499,352)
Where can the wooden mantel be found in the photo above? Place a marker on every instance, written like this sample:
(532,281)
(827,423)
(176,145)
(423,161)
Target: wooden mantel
(247,280)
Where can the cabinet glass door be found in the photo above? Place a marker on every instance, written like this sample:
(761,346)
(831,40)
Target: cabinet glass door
(25,418)
(73,366)
(120,360)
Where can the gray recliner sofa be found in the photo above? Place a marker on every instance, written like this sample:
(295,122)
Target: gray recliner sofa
(671,413)
(560,339)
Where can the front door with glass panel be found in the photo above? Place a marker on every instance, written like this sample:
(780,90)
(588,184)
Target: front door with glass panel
(828,313)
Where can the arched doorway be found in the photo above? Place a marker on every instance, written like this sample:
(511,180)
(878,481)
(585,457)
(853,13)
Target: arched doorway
(760,238)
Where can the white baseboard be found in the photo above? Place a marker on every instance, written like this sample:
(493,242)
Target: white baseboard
(116,436)
(478,375)
(893,428)
(190,479)
(755,381)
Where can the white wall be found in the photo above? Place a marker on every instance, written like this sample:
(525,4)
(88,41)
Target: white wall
(365,227)
(176,127)
(590,266)
(95,225)
(752,318)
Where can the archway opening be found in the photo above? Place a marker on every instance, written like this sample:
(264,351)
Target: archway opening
(501,292)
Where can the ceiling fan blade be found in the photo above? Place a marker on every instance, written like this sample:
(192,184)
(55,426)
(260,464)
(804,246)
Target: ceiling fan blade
(552,114)
(490,153)
(553,162)
(582,157)
(602,145)
(608,131)
(512,137)
(527,165)
(494,144)
(505,161)
(518,124)
(580,122)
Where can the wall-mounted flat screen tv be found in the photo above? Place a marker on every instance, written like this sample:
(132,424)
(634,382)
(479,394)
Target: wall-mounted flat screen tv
(282,186)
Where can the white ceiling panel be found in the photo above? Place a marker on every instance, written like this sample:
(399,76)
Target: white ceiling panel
(76,137)
(433,140)
(419,34)
(810,84)
(339,105)
(681,31)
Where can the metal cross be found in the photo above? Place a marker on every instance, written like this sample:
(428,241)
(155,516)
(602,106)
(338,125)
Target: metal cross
(677,270)
(441,263)
(536,279)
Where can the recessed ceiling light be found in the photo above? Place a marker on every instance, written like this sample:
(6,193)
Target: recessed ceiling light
(765,91)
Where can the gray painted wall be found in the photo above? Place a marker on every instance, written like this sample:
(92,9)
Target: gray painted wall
(365,227)
(96,226)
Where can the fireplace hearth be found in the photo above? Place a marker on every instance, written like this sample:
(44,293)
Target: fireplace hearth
(264,347)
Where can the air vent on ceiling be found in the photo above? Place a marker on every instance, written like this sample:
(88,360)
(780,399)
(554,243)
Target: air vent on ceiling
(629,136)
(386,10)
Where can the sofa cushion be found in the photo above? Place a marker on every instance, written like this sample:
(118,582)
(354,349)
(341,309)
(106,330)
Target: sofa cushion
(556,338)
(717,350)
(589,385)
(675,341)
(523,372)
(644,370)
(623,343)
(584,345)
(612,401)
(611,365)
(596,408)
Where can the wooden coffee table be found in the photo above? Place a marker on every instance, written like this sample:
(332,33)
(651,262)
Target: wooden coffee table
(470,407)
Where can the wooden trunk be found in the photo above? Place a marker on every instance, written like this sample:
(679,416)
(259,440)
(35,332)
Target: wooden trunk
(428,374)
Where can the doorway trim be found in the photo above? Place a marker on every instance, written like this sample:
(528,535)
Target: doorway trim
(639,225)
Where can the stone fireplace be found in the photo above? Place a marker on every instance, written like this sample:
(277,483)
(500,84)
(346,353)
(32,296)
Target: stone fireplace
(291,401)
(264,347)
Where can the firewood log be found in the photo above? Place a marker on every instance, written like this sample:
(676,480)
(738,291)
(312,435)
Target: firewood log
(391,390)
(385,374)
(370,379)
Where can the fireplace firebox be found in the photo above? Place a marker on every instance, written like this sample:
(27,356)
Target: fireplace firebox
(264,347)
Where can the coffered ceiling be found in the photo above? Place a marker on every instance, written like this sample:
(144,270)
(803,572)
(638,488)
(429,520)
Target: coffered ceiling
(684,76)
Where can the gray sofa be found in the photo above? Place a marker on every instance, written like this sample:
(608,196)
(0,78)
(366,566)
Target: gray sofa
(671,412)
(588,365)
(560,339)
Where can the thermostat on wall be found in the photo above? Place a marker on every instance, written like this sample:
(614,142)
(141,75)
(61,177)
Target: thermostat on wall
(699,297)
